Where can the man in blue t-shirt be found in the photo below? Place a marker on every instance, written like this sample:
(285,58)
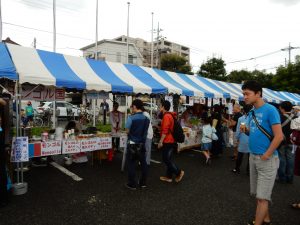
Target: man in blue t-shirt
(264,160)
(137,129)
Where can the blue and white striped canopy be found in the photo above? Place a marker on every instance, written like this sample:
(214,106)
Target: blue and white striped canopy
(29,65)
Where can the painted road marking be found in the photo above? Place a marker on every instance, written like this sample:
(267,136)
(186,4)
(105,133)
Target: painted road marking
(154,161)
(65,171)
(197,150)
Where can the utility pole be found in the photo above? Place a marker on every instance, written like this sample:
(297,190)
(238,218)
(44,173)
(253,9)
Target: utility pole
(127,60)
(96,39)
(152,46)
(290,48)
(157,43)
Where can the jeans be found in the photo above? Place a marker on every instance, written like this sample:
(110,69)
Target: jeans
(239,161)
(167,152)
(131,165)
(116,143)
(286,166)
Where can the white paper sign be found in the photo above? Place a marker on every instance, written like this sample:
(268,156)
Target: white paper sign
(50,148)
(20,151)
(104,143)
(89,145)
(209,101)
(230,108)
(216,101)
(123,141)
(202,101)
(71,146)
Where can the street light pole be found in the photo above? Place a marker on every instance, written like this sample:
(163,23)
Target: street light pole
(96,40)
(54,50)
(152,45)
(127,61)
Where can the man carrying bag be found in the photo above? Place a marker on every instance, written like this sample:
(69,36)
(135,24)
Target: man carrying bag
(136,128)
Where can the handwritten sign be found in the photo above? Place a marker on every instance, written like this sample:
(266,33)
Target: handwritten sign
(104,143)
(50,148)
(91,144)
(123,141)
(20,149)
(71,146)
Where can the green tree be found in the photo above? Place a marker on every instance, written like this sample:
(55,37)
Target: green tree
(175,63)
(214,68)
(287,78)
(238,76)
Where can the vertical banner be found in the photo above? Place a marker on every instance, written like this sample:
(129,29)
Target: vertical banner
(209,101)
(123,141)
(20,151)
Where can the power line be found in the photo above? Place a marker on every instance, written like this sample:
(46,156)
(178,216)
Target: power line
(46,31)
(253,58)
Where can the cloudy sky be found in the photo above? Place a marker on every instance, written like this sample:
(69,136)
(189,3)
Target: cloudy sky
(233,29)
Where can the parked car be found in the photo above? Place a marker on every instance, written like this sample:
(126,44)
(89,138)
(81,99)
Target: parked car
(65,109)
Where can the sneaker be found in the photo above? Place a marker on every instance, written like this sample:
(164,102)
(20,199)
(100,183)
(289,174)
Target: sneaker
(235,171)
(264,223)
(130,187)
(179,177)
(143,186)
(208,161)
(166,179)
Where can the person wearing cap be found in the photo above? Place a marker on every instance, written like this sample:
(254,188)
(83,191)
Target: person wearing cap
(136,129)
(29,112)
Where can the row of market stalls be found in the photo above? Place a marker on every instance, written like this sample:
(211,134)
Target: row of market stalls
(29,65)
(23,66)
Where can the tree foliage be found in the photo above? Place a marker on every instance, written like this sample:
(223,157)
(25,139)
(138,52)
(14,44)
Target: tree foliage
(288,78)
(175,63)
(214,68)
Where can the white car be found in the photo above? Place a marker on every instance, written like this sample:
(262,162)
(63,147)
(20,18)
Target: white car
(66,109)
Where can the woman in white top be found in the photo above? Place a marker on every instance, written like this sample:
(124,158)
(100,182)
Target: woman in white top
(148,143)
(207,133)
(116,125)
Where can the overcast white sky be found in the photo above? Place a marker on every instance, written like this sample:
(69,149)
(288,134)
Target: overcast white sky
(233,29)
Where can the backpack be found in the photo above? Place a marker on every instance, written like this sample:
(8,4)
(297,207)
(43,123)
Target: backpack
(295,137)
(177,133)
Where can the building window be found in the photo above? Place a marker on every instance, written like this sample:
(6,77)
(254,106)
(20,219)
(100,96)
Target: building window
(130,59)
(118,56)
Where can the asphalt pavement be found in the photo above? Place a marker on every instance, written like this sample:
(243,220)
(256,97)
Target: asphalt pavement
(207,195)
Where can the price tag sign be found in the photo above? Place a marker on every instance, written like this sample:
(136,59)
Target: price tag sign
(89,145)
(20,149)
(71,146)
(104,143)
(50,148)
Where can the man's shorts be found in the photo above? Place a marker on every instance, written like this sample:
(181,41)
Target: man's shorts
(262,176)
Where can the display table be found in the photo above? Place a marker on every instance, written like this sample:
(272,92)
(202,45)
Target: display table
(192,139)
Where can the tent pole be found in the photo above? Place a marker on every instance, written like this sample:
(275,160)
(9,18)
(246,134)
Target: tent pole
(151,109)
(17,123)
(126,107)
(94,112)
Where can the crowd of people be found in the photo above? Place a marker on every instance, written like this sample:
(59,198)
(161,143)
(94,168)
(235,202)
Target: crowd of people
(265,136)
